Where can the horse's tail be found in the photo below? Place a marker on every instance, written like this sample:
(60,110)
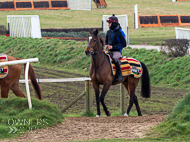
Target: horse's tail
(35,84)
(145,82)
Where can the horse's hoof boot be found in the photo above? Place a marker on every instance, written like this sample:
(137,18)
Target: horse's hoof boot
(125,114)
(97,115)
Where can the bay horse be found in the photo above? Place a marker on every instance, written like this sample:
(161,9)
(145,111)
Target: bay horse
(11,81)
(101,74)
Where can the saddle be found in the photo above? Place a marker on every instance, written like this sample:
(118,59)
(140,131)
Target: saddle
(3,69)
(129,66)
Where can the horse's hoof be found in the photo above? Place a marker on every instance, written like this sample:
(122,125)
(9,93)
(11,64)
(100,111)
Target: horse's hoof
(125,114)
(97,115)
(109,114)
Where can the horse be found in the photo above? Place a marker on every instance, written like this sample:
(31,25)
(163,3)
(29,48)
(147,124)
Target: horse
(11,80)
(101,74)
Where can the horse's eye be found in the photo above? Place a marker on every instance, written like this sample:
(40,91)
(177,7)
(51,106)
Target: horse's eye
(94,40)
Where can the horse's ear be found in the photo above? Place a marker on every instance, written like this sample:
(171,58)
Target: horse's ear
(96,31)
(90,32)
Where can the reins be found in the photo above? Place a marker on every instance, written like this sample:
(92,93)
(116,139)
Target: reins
(96,52)
(94,57)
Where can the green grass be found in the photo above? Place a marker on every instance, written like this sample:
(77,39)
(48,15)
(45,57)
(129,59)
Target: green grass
(164,72)
(15,114)
(69,55)
(93,18)
(176,125)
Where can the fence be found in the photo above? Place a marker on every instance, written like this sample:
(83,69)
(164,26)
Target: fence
(182,33)
(87,93)
(180,0)
(24,26)
(164,20)
(33,5)
(79,4)
(25,61)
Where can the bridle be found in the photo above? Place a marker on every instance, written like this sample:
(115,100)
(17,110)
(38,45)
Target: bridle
(94,53)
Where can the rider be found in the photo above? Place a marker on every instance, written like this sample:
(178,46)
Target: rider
(115,41)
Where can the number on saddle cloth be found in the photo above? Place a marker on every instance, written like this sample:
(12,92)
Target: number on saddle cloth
(3,69)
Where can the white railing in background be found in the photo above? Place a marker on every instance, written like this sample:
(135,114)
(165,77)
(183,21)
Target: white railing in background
(24,26)
(136,17)
(24,61)
(182,33)
(79,4)
(123,20)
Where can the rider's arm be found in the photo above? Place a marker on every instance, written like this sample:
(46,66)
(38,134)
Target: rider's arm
(121,41)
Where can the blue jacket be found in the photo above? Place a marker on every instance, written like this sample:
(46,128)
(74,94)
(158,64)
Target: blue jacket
(116,38)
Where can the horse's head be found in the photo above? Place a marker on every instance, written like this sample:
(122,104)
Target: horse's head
(94,43)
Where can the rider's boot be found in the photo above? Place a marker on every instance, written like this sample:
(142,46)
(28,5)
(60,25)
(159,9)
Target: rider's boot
(119,73)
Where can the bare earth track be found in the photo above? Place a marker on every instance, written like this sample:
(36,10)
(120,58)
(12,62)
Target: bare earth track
(154,110)
(87,128)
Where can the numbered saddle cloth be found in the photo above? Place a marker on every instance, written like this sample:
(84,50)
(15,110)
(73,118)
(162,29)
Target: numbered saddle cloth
(129,66)
(3,69)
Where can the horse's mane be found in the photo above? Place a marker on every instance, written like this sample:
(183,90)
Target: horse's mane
(95,32)
(101,40)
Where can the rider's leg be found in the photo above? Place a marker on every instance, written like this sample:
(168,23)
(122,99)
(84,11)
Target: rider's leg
(116,56)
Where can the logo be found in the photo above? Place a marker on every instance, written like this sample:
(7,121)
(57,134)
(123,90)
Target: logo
(135,70)
(25,125)
(1,70)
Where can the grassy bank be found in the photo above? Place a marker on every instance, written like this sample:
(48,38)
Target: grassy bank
(69,55)
(16,118)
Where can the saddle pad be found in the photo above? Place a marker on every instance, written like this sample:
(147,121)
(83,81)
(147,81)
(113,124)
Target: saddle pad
(129,66)
(3,69)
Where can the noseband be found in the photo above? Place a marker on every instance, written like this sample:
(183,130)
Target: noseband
(94,53)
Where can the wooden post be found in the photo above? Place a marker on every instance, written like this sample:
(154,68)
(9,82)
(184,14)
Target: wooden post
(122,99)
(74,101)
(88,97)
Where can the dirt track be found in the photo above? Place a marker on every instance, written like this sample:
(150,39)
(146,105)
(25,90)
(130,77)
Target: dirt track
(87,128)
(154,110)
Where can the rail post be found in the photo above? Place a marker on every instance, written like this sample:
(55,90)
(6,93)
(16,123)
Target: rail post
(122,99)
(88,97)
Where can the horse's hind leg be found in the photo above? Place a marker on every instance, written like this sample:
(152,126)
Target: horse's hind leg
(137,105)
(104,92)
(16,90)
(4,90)
(130,86)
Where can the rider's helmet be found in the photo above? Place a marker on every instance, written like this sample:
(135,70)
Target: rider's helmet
(112,18)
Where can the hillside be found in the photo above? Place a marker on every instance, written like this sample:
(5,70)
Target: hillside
(164,70)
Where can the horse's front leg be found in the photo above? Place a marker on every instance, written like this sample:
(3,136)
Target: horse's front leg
(105,89)
(96,89)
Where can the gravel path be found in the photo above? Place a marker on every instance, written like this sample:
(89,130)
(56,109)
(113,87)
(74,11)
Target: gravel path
(87,128)
(145,46)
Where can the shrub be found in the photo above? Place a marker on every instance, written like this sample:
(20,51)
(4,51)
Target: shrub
(176,47)
(3,30)
(82,34)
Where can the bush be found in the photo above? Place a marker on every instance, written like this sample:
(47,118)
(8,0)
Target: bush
(176,47)
(3,30)
(70,34)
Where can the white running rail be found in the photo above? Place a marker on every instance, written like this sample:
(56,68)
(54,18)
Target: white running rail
(24,61)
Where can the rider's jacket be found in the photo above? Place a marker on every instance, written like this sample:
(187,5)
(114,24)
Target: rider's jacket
(116,38)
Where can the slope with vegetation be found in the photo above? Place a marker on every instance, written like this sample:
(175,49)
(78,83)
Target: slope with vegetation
(68,54)
(16,118)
